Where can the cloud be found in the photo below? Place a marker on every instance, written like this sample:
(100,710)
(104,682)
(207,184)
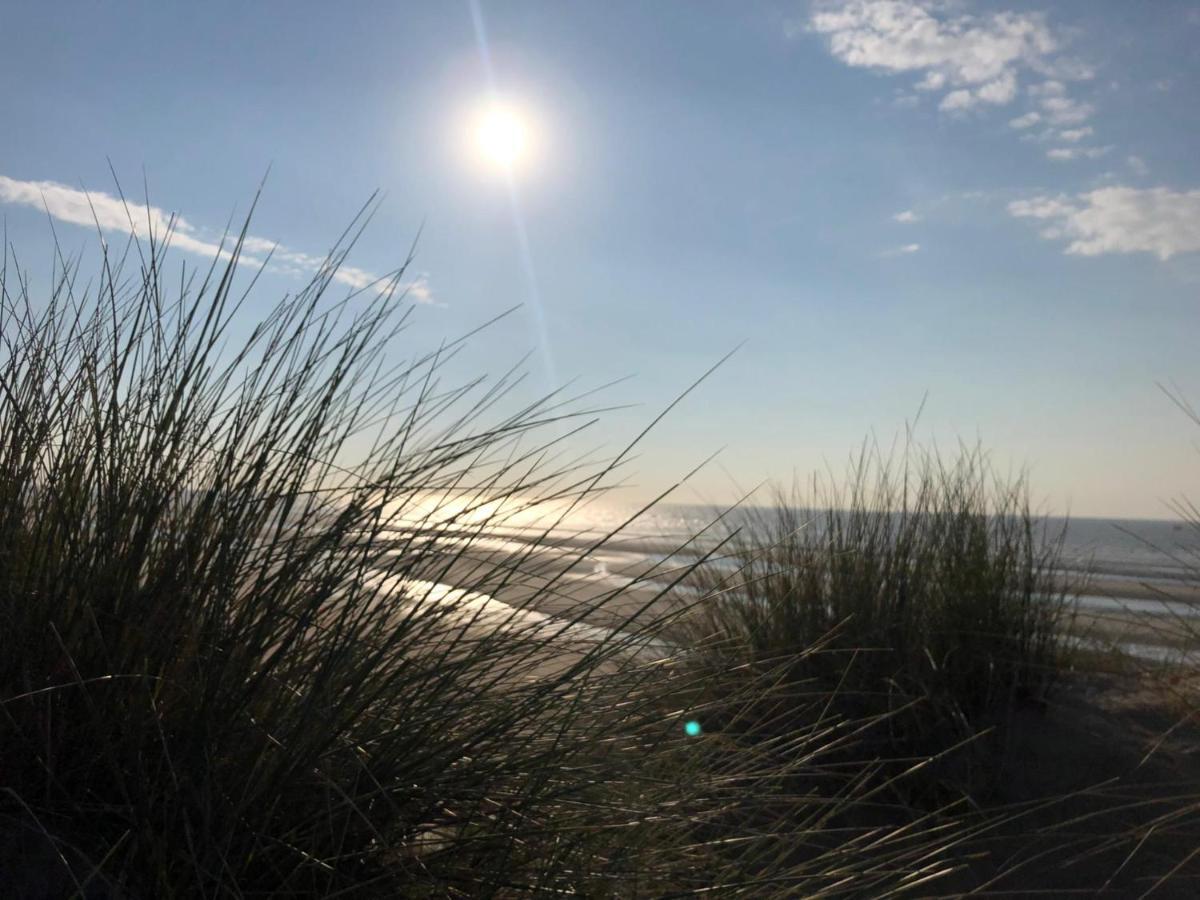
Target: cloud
(1049,88)
(1026,121)
(1057,108)
(976,60)
(1067,154)
(1072,135)
(956,100)
(906,217)
(1001,91)
(1041,207)
(112,214)
(1064,111)
(969,61)
(419,291)
(1157,220)
(902,251)
(1138,165)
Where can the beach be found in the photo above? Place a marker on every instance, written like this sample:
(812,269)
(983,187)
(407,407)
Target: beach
(1130,582)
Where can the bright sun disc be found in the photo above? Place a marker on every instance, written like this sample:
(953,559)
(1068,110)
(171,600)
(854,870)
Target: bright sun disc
(502,136)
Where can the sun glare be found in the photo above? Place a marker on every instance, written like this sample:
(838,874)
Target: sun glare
(502,136)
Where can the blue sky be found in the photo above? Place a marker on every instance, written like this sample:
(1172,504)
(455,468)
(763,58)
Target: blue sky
(997,204)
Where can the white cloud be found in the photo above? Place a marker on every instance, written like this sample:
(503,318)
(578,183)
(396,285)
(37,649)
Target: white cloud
(933,81)
(95,208)
(969,60)
(1138,165)
(1066,154)
(1001,91)
(109,213)
(355,278)
(1119,220)
(419,291)
(1048,89)
(1074,135)
(906,217)
(902,251)
(975,59)
(956,100)
(1041,207)
(1061,110)
(1068,68)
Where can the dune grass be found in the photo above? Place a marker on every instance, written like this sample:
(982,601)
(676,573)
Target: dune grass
(1173,817)
(233,667)
(922,594)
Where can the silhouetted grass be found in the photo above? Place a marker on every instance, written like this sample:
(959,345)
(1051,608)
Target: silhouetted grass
(923,595)
(1166,840)
(233,667)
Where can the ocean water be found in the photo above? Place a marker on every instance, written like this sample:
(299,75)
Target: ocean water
(1148,549)
(1135,548)
(1143,571)
(1125,559)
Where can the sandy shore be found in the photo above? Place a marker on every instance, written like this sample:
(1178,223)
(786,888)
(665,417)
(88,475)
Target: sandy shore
(550,581)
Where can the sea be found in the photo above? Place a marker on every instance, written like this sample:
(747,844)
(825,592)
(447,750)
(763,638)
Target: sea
(1151,550)
(1141,572)
(1135,582)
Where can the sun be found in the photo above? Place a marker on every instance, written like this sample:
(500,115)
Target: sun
(503,136)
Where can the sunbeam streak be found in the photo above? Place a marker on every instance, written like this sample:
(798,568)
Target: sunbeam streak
(503,138)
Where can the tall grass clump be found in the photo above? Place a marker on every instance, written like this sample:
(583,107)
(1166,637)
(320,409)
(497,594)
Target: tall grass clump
(232,668)
(1174,819)
(1187,551)
(923,595)
(248,582)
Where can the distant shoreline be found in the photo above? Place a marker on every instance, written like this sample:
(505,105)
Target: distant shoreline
(1143,616)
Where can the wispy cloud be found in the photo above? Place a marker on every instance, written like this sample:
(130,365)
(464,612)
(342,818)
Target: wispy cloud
(1119,220)
(904,250)
(970,60)
(907,217)
(1138,165)
(1066,154)
(112,214)
(109,213)
(1073,135)
(1057,107)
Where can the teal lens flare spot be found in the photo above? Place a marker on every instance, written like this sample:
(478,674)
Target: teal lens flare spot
(691,728)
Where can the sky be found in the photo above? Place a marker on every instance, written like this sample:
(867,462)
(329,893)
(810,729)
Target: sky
(988,212)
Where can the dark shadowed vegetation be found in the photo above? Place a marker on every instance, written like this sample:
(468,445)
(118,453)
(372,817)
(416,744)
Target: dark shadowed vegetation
(924,595)
(233,664)
(262,636)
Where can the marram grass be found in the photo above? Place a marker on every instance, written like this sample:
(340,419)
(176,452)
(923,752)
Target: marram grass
(230,668)
(921,593)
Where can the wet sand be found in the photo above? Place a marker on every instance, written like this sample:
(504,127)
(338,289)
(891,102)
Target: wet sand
(626,583)
(1093,768)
